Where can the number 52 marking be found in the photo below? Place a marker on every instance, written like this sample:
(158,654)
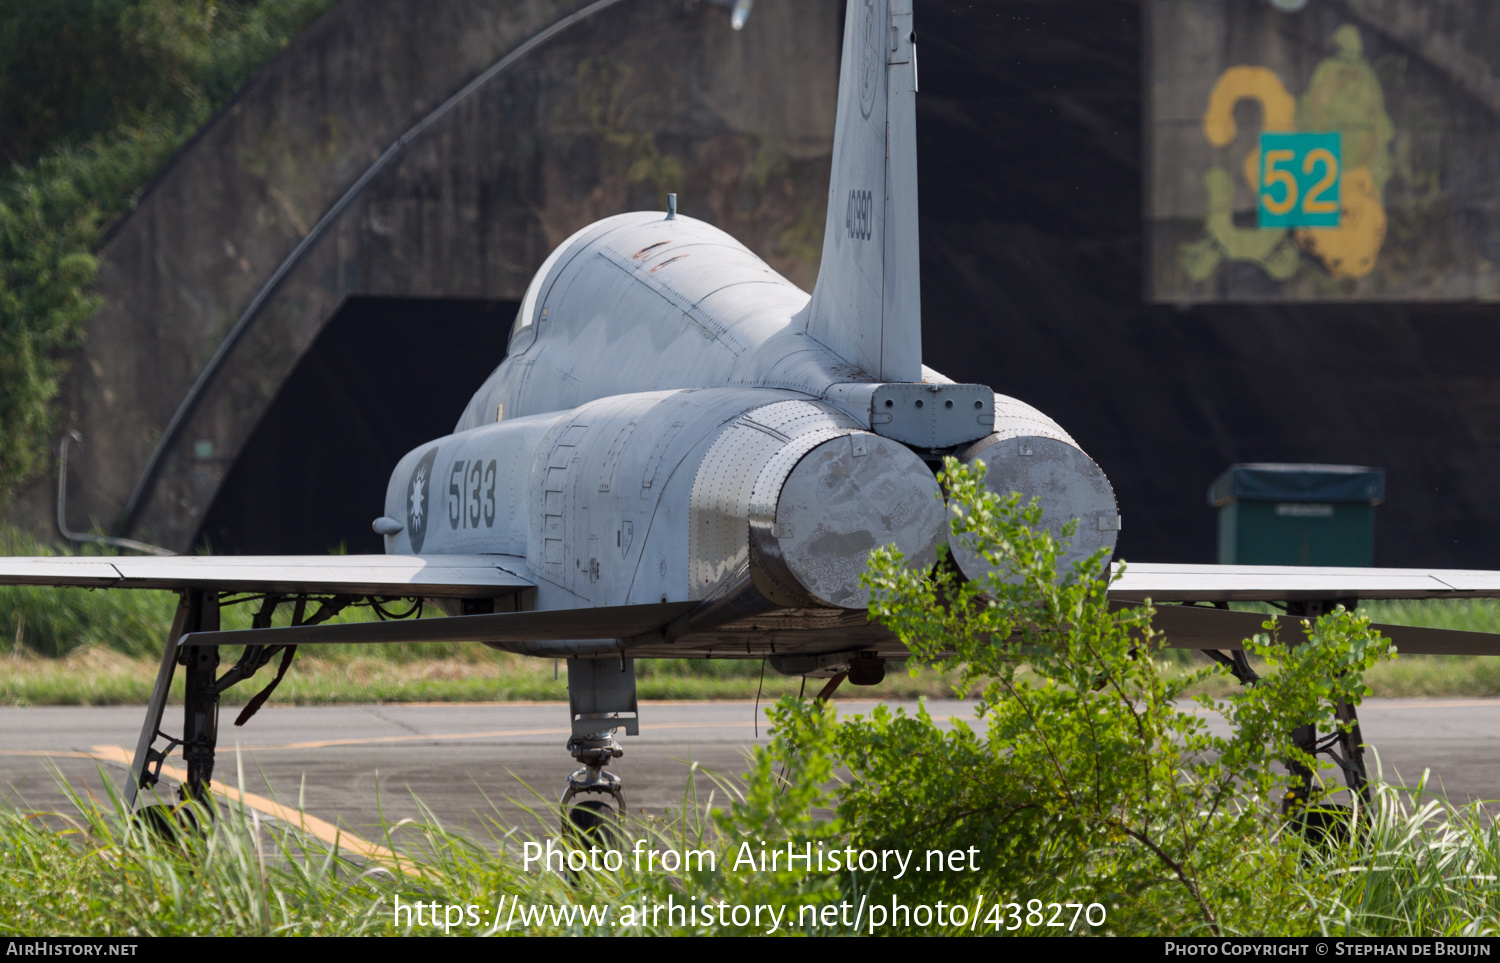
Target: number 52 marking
(1299,179)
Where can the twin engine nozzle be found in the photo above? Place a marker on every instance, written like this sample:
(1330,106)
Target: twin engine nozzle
(819,493)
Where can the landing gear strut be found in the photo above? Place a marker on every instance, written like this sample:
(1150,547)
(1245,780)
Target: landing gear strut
(594,752)
(601,699)
(198,611)
(1345,748)
(200,723)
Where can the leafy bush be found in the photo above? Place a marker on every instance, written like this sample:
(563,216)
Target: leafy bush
(1091,781)
(94,96)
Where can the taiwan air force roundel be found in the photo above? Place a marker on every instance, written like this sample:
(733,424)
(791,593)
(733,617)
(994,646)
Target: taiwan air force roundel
(870,59)
(417,501)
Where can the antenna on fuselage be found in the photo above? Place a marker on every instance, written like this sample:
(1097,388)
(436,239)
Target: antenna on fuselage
(671,207)
(868,301)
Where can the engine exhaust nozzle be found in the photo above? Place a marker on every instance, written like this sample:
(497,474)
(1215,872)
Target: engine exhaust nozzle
(837,503)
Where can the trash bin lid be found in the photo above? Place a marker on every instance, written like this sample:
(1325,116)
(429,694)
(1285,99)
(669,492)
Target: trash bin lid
(1270,482)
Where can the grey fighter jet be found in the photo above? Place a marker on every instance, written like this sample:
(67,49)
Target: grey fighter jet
(685,455)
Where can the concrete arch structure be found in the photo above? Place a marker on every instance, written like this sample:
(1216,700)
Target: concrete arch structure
(1033,249)
(635,99)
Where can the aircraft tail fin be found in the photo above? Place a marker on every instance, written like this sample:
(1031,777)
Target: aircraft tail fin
(867,303)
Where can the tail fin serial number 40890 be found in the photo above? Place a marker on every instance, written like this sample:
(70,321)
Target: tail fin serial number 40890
(861,206)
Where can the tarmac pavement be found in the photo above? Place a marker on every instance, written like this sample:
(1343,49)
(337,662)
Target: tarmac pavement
(486,768)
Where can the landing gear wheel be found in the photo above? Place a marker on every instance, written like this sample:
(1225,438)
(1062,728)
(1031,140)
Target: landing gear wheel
(160,820)
(1324,825)
(169,823)
(595,823)
(592,815)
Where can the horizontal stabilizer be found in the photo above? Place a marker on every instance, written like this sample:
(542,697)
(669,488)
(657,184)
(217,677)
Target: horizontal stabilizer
(410,576)
(609,622)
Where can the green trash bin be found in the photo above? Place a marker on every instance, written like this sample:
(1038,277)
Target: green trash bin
(1271,514)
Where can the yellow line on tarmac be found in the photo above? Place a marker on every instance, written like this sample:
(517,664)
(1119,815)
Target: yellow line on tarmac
(48,752)
(320,828)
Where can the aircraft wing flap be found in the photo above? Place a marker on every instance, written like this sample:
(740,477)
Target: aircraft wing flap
(449,576)
(1283,583)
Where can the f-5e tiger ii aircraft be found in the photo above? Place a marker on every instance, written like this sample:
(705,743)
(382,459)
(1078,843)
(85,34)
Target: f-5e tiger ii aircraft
(685,455)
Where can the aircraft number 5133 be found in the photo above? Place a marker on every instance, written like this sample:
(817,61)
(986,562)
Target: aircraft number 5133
(471,494)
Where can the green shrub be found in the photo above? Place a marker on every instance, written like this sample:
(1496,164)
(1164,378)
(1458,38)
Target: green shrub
(1091,779)
(95,95)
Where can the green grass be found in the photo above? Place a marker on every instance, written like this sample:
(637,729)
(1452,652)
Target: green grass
(1414,866)
(451,674)
(97,871)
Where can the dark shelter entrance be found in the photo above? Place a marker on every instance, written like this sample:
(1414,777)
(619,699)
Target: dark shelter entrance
(383,376)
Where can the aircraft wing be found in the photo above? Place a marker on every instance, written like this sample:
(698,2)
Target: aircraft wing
(431,576)
(1186,626)
(1289,583)
(487,576)
(1197,627)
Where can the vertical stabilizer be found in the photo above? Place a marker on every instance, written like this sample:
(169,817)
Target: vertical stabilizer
(867,303)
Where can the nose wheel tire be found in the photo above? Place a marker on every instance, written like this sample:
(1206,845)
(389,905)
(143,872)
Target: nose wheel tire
(595,821)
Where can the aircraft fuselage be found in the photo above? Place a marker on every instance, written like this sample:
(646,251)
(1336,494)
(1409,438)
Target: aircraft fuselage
(664,429)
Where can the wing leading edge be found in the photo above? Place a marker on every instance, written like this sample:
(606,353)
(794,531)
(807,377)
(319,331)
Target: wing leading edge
(435,576)
(1290,583)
